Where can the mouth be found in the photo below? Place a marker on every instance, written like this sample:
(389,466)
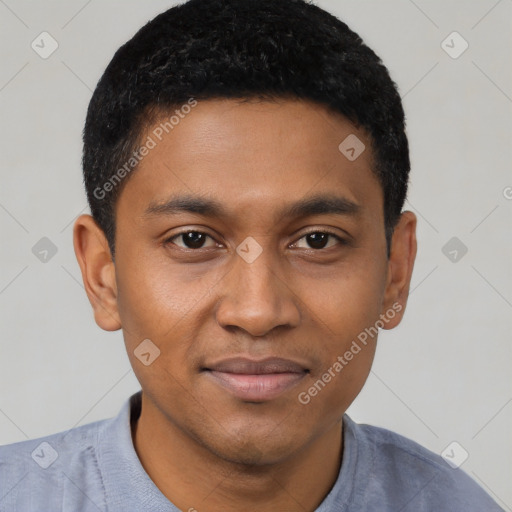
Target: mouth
(256,381)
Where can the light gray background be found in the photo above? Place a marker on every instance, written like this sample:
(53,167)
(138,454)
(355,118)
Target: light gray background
(442,376)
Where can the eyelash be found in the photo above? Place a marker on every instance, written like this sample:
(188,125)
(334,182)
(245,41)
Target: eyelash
(340,240)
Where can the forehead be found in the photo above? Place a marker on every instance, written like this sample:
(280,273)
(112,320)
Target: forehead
(256,154)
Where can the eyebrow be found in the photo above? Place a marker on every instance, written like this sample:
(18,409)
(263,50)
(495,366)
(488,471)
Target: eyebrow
(315,205)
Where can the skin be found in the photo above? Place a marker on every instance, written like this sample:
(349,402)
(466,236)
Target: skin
(204,448)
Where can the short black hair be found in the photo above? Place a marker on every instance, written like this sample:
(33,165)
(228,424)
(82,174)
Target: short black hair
(240,49)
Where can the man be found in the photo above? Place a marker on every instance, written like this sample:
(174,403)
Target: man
(246,165)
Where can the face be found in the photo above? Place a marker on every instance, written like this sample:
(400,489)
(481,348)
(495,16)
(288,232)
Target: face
(251,252)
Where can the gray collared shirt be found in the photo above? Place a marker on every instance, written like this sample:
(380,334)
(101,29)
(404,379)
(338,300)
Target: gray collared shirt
(95,468)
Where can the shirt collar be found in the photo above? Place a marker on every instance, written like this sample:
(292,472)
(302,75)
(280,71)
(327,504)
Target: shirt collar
(128,486)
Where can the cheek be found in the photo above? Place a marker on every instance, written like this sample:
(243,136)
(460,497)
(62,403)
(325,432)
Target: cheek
(344,312)
(154,307)
(154,296)
(346,301)
(345,365)
(165,304)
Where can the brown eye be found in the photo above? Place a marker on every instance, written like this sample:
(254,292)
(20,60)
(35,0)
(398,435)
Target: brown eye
(319,240)
(191,239)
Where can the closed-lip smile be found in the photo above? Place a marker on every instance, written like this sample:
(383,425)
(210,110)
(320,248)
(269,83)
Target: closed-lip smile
(256,380)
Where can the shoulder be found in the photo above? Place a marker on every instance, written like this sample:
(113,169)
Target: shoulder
(45,469)
(43,452)
(418,478)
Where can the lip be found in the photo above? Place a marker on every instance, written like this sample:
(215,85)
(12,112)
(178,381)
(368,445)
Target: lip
(256,380)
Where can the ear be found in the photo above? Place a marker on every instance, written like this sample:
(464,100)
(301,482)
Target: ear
(98,271)
(400,266)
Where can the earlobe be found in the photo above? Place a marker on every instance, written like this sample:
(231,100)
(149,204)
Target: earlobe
(400,267)
(98,271)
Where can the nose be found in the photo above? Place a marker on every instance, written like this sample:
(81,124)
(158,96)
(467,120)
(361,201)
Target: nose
(255,297)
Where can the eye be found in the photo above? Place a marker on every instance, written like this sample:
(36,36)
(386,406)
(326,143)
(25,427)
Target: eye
(191,240)
(316,240)
(319,240)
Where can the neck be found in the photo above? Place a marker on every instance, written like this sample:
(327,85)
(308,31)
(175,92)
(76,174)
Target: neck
(195,479)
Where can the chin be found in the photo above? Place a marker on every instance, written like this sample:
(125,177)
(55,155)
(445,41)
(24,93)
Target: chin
(253,457)
(254,450)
